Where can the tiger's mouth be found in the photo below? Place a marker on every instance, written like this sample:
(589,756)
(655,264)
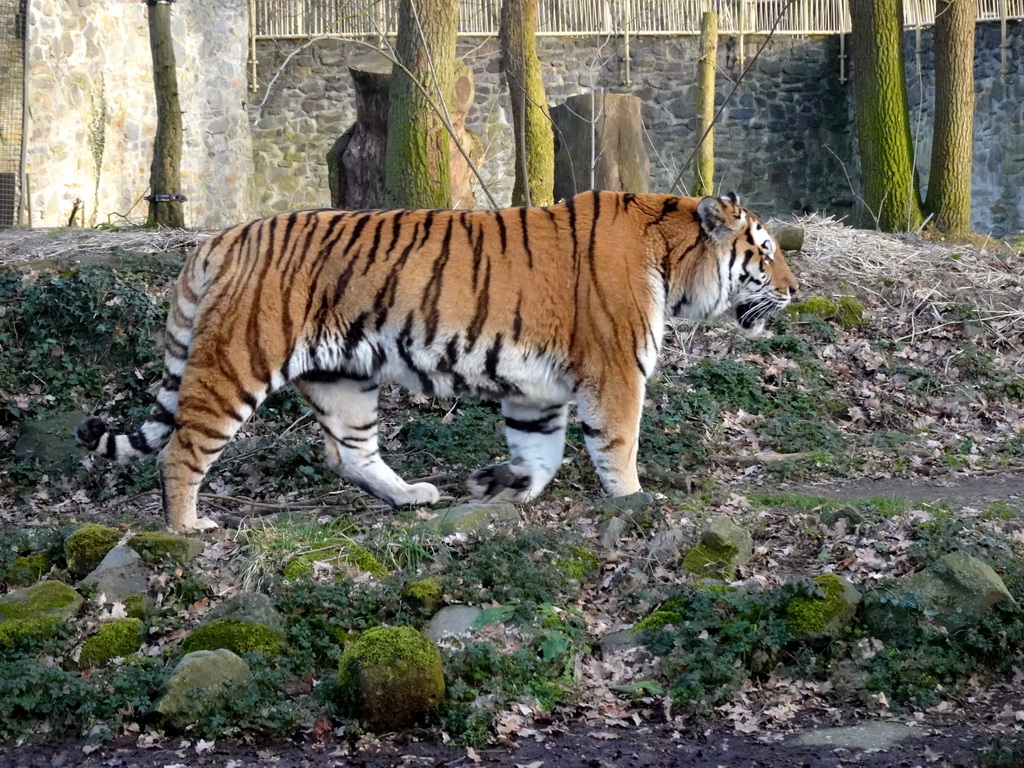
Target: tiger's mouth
(752,315)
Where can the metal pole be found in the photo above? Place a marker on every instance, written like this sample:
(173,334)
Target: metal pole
(252,46)
(23,203)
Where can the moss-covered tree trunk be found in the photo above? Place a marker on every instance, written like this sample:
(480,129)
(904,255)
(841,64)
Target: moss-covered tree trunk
(949,182)
(165,209)
(704,171)
(531,121)
(883,124)
(417,171)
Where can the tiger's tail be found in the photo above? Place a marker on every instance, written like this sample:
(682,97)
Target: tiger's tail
(156,431)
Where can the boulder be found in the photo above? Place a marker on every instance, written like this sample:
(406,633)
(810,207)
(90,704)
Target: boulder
(452,621)
(35,612)
(49,440)
(86,547)
(955,592)
(113,640)
(470,518)
(665,547)
(251,607)
(390,677)
(201,681)
(723,547)
(119,575)
(160,547)
(823,616)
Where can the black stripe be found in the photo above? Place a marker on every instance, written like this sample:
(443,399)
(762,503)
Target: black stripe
(171,381)
(542,426)
(371,255)
(517,321)
(432,291)
(161,415)
(589,431)
(526,237)
(138,442)
(502,234)
(111,450)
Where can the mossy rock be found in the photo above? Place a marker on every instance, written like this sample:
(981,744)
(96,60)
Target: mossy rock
(140,606)
(580,565)
(825,616)
(27,569)
(163,547)
(847,312)
(36,612)
(425,595)
(200,683)
(390,677)
(657,620)
(236,636)
(474,517)
(251,607)
(86,547)
(723,547)
(117,639)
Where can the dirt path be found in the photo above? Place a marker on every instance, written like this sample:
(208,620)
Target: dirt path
(956,489)
(946,744)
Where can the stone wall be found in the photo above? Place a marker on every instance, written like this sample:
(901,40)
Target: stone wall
(774,146)
(786,142)
(92,113)
(997,171)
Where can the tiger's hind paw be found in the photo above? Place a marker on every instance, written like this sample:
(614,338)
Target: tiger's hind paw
(416,495)
(507,481)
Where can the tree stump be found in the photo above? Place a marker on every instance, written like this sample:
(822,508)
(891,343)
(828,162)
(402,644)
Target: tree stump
(599,144)
(356,162)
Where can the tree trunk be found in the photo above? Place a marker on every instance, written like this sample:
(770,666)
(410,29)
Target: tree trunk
(356,162)
(600,139)
(165,208)
(949,182)
(883,125)
(417,171)
(531,122)
(704,171)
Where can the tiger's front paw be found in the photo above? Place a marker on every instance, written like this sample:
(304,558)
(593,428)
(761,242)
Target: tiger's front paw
(507,481)
(420,494)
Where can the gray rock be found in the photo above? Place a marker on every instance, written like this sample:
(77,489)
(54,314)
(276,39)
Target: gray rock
(452,620)
(48,598)
(50,440)
(666,546)
(632,502)
(870,735)
(201,681)
(723,547)
(610,530)
(622,640)
(250,607)
(119,575)
(470,518)
(955,592)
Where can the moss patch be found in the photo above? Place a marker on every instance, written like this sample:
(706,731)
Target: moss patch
(118,638)
(87,546)
(35,612)
(847,312)
(27,569)
(161,547)
(657,620)
(580,565)
(236,636)
(390,677)
(813,615)
(425,594)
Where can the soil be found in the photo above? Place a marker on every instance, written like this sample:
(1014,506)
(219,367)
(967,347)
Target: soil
(574,746)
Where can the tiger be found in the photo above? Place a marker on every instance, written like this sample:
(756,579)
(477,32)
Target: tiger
(537,307)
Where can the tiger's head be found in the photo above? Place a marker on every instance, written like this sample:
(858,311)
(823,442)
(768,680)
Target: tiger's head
(738,266)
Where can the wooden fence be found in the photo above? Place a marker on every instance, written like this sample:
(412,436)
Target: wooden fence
(479,18)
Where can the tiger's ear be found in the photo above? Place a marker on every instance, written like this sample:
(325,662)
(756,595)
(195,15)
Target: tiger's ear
(720,217)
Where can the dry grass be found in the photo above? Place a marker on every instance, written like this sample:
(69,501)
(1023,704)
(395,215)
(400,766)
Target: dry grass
(916,278)
(21,245)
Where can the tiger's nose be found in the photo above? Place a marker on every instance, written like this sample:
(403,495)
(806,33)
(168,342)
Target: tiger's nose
(792,291)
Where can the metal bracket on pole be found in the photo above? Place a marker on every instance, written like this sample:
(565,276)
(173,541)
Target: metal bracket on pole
(166,199)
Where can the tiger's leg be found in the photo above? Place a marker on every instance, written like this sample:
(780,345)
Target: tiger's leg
(206,420)
(535,433)
(611,430)
(347,412)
